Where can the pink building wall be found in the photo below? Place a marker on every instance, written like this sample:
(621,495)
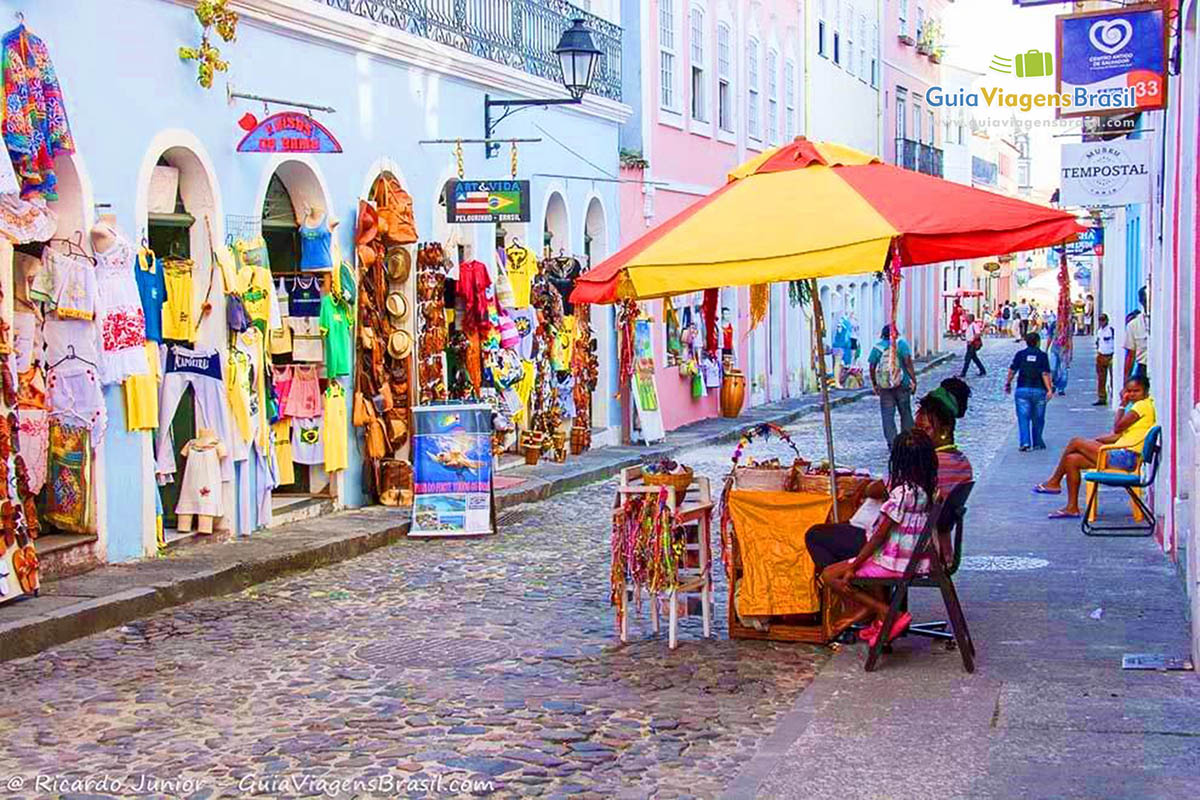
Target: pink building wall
(689,157)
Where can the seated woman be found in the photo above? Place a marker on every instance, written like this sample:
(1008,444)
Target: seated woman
(937,414)
(1135,418)
(912,485)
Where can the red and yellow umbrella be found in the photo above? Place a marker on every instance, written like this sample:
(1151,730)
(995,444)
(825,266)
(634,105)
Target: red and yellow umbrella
(815,210)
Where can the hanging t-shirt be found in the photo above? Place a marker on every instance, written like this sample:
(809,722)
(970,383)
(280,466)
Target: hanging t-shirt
(152,290)
(526,321)
(258,295)
(316,244)
(308,445)
(304,297)
(522,267)
(335,327)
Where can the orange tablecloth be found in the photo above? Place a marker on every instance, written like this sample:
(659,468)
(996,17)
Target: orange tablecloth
(778,576)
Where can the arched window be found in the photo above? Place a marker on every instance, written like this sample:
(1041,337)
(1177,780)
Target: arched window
(667,43)
(772,97)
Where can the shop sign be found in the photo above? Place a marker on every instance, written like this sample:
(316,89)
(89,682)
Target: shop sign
(289,132)
(1089,243)
(1121,53)
(1105,173)
(488,201)
(452,470)
(645,391)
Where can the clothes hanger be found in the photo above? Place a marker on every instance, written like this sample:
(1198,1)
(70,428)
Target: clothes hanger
(71,355)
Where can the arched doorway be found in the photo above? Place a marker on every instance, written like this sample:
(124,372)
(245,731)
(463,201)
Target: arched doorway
(556,230)
(180,207)
(603,317)
(294,198)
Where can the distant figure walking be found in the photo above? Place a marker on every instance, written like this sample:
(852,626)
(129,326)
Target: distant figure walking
(1106,341)
(974,337)
(894,387)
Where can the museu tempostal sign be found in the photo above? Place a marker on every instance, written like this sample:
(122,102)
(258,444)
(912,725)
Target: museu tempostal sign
(1105,173)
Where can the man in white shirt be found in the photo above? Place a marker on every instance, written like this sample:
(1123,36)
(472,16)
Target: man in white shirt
(1106,340)
(1137,339)
(1021,314)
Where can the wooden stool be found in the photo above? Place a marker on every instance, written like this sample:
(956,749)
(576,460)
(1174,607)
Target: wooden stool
(693,509)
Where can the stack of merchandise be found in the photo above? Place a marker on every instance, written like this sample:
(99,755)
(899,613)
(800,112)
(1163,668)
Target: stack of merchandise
(383,399)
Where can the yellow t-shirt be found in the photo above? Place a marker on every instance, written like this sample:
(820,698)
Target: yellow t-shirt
(1135,434)
(522,267)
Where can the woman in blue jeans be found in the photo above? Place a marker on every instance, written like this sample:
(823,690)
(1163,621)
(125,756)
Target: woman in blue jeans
(1031,368)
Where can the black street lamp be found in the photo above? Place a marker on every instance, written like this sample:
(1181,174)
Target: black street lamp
(578,58)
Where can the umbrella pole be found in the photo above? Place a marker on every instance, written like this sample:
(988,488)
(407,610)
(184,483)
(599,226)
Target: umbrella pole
(822,376)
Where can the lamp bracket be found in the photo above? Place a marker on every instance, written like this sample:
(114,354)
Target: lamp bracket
(511,107)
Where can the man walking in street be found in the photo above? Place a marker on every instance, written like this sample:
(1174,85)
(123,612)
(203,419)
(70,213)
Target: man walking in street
(974,337)
(1021,315)
(1106,339)
(1031,368)
(894,384)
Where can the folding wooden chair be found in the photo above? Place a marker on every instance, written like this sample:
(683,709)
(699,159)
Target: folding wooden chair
(943,517)
(1134,481)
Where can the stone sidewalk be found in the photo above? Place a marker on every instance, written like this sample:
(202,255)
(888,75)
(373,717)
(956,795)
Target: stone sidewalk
(1049,713)
(114,594)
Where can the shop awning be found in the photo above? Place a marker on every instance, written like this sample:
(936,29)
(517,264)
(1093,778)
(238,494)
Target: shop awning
(815,210)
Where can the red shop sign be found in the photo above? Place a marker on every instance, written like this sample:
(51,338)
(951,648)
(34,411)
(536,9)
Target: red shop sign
(289,132)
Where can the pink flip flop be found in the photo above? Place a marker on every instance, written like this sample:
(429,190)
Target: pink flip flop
(1042,488)
(1062,515)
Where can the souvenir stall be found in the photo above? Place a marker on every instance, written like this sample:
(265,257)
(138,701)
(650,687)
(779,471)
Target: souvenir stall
(769,597)
(68,327)
(383,396)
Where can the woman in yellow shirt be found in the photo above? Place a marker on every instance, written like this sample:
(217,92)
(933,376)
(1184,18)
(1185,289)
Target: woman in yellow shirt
(1135,419)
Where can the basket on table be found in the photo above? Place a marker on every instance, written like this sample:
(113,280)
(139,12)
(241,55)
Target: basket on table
(766,477)
(851,490)
(680,481)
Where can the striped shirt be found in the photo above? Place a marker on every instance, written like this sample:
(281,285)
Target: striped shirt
(908,508)
(953,469)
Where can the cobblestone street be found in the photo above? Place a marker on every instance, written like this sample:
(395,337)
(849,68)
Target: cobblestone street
(494,659)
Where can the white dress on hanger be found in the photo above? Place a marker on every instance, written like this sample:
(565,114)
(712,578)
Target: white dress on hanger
(119,314)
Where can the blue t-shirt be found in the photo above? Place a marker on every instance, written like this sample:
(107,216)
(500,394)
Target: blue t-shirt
(903,353)
(152,290)
(1029,364)
(316,246)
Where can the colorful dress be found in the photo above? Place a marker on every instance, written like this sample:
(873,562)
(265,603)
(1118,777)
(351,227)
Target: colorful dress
(36,130)
(122,319)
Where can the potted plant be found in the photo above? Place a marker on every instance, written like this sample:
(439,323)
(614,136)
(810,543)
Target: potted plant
(906,39)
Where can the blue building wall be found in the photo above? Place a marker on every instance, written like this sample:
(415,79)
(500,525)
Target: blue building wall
(126,87)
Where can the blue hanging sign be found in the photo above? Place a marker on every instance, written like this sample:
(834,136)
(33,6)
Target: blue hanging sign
(1113,61)
(289,132)
(1089,243)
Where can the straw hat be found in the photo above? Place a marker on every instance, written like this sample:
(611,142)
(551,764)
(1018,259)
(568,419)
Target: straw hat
(397,305)
(399,263)
(400,344)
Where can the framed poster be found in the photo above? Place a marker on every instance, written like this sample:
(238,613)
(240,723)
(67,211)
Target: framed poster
(645,390)
(452,471)
(1113,61)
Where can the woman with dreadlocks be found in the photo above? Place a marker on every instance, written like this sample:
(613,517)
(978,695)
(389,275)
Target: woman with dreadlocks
(912,486)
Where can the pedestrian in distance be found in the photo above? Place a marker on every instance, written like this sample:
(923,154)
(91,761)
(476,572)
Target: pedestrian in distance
(894,383)
(1031,368)
(974,337)
(1005,318)
(1106,339)
(1021,317)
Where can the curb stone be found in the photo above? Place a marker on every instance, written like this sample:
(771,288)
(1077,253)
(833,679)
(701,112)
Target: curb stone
(27,636)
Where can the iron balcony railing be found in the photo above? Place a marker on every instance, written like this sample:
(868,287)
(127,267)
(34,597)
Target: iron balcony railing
(517,33)
(919,157)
